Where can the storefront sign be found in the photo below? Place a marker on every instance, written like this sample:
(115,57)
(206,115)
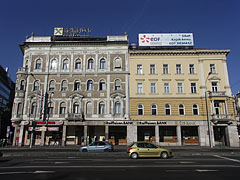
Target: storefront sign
(118,122)
(53,128)
(185,123)
(152,122)
(71,32)
(45,122)
(173,39)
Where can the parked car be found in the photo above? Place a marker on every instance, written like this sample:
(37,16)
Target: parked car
(147,149)
(97,146)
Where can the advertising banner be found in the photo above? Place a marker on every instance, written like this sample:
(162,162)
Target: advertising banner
(173,39)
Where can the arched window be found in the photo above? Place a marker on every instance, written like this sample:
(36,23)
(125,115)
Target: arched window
(101,108)
(50,109)
(19,108)
(26,65)
(154,109)
(140,109)
(89,108)
(38,64)
(36,86)
(34,108)
(52,85)
(62,108)
(181,109)
(53,65)
(118,108)
(65,65)
(76,108)
(117,84)
(77,85)
(102,85)
(90,64)
(167,109)
(64,85)
(89,85)
(117,63)
(102,63)
(78,64)
(22,85)
(195,109)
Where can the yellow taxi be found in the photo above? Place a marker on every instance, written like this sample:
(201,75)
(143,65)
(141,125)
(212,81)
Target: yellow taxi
(147,149)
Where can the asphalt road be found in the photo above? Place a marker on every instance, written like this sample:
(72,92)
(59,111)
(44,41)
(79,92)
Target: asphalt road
(94,167)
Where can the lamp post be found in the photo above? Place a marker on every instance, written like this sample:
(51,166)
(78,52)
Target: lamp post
(208,116)
(48,114)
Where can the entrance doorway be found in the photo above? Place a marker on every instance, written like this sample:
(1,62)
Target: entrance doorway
(190,135)
(220,135)
(118,135)
(146,133)
(96,133)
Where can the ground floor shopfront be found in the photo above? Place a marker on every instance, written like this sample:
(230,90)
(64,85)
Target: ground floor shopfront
(165,133)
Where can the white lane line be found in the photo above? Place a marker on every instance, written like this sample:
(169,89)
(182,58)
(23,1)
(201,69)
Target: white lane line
(206,170)
(24,172)
(185,162)
(43,172)
(230,159)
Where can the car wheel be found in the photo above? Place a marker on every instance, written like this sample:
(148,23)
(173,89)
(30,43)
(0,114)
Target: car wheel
(164,155)
(134,155)
(84,150)
(106,150)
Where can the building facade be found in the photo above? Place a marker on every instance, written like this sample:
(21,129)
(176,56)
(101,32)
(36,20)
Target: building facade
(71,89)
(168,95)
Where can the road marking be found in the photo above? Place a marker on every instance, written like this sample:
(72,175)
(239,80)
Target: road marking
(61,162)
(230,159)
(206,170)
(183,162)
(24,172)
(43,172)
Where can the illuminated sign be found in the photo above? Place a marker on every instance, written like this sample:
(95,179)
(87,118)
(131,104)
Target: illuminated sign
(71,32)
(173,39)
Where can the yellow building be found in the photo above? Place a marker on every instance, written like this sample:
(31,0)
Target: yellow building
(168,101)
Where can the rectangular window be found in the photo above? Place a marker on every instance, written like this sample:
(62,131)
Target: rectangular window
(139,69)
(139,88)
(166,88)
(193,88)
(178,69)
(152,69)
(165,68)
(180,88)
(214,86)
(153,88)
(191,69)
(213,68)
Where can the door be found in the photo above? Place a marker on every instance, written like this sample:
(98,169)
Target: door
(100,146)
(92,146)
(142,150)
(153,150)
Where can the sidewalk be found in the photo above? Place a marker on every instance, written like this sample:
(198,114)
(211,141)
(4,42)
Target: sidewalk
(119,151)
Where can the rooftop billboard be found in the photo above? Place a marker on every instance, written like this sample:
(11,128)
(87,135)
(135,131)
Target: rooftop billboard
(171,39)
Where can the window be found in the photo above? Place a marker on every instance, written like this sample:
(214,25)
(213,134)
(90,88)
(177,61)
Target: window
(178,69)
(76,108)
(65,65)
(214,87)
(139,88)
(167,109)
(193,88)
(117,108)
(139,69)
(180,88)
(34,108)
(102,85)
(117,84)
(152,68)
(181,109)
(117,63)
(217,108)
(22,85)
(191,69)
(62,108)
(90,64)
(53,65)
(140,109)
(64,86)
(154,109)
(165,68)
(19,108)
(213,68)
(195,109)
(102,64)
(89,108)
(78,64)
(153,88)
(52,85)
(89,85)
(77,85)
(36,86)
(101,108)
(38,64)
(166,88)
(50,108)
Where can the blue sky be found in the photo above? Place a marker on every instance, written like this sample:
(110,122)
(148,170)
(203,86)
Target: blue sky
(215,23)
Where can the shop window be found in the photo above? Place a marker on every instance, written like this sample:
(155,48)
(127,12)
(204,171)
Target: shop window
(168,134)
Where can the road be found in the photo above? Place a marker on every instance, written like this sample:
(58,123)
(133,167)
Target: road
(94,167)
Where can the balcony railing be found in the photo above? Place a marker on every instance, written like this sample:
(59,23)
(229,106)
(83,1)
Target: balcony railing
(75,116)
(221,117)
(22,69)
(217,94)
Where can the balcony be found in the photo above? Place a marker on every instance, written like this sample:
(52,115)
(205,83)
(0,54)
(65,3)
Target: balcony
(217,94)
(221,118)
(22,70)
(75,116)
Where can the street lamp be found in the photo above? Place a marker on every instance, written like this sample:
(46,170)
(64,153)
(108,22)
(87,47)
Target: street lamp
(48,114)
(208,116)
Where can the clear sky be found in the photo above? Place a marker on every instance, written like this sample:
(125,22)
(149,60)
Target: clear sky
(215,23)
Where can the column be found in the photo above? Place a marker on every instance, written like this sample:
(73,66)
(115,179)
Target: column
(15,134)
(42,137)
(26,137)
(64,135)
(21,136)
(106,132)
(227,85)
(85,135)
(179,135)
(203,86)
(131,134)
(157,134)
